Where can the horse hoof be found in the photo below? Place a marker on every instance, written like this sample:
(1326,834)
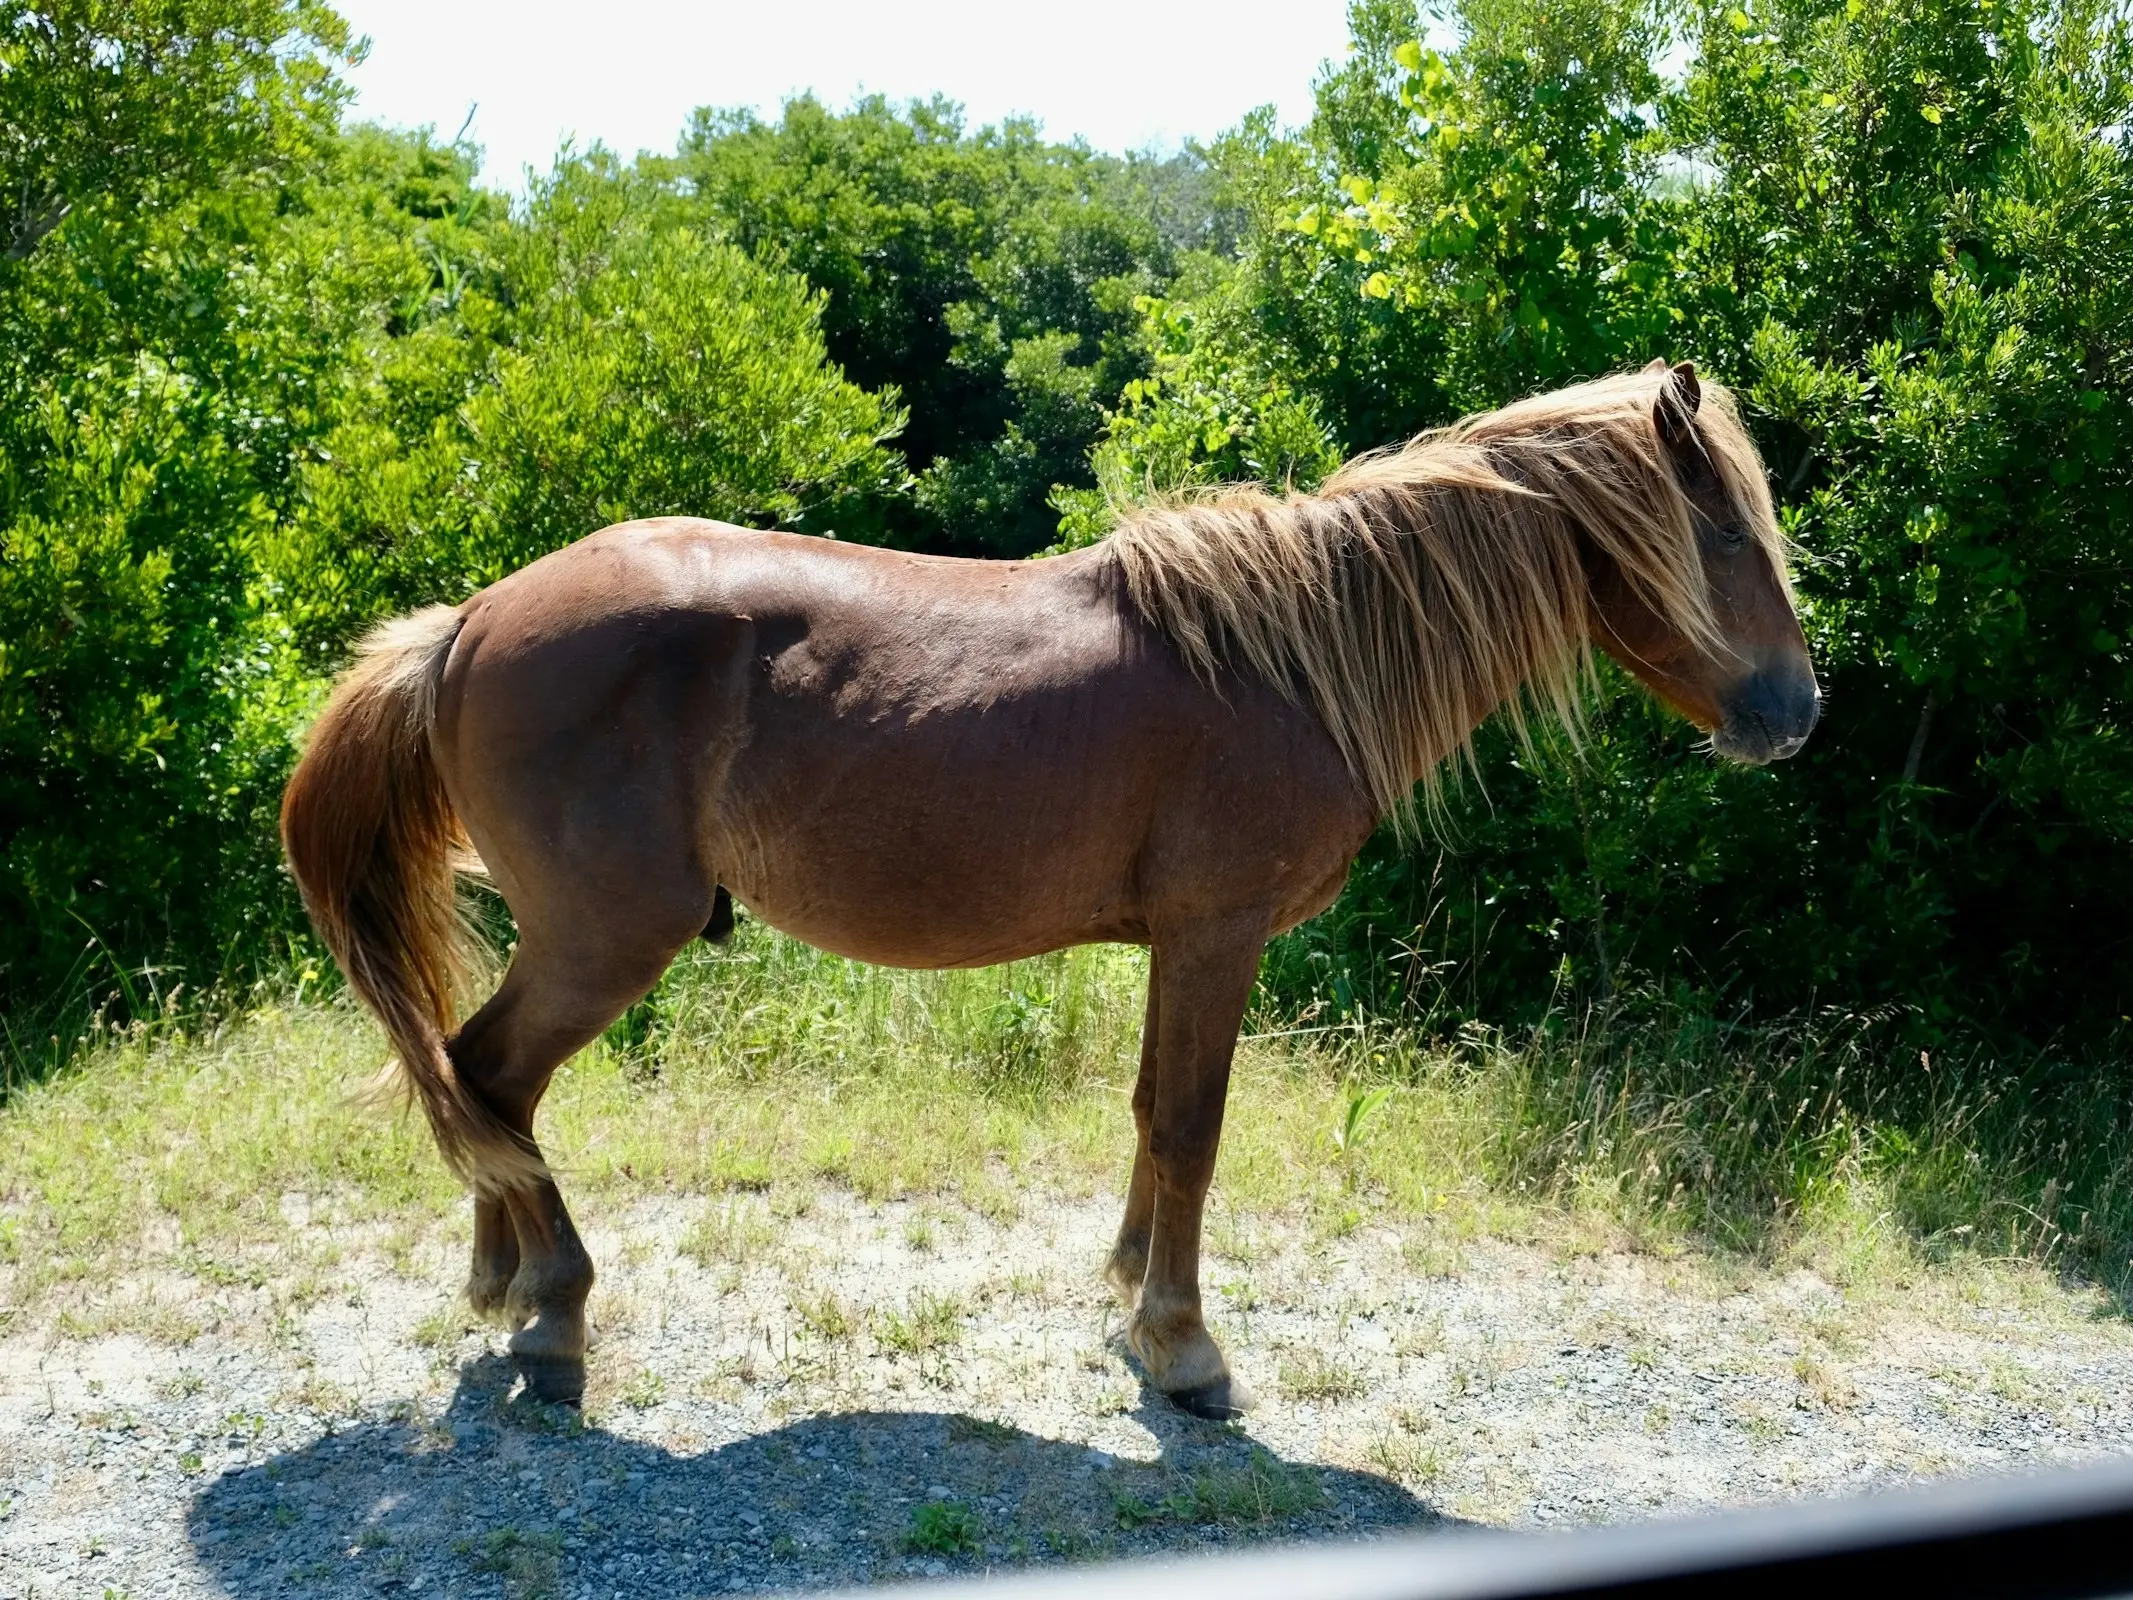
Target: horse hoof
(553,1380)
(1224,1399)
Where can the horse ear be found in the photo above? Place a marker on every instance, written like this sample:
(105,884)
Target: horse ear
(1685,383)
(1656,364)
(1679,396)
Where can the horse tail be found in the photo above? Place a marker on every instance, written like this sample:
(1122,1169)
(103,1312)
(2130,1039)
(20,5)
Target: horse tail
(371,838)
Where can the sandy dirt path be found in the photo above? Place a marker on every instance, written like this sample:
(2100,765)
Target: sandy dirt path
(864,1392)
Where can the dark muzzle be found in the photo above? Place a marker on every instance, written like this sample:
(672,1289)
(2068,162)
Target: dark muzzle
(1769,716)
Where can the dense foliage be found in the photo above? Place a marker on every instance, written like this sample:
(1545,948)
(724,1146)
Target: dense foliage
(258,389)
(989,278)
(265,377)
(1901,231)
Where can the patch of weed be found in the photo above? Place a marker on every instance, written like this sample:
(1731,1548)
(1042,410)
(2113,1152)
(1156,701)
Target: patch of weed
(980,1430)
(1263,1490)
(732,1234)
(1822,1385)
(1313,1374)
(942,1528)
(1406,1459)
(527,1562)
(442,1329)
(827,1318)
(927,1329)
(644,1391)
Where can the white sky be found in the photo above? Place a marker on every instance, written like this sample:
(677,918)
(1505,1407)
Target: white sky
(1124,74)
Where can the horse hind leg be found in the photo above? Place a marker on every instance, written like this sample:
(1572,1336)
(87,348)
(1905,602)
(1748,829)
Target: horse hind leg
(495,1261)
(557,997)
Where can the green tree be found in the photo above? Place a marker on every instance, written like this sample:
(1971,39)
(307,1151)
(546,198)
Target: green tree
(116,107)
(987,277)
(246,420)
(144,151)
(1919,242)
(595,361)
(1899,229)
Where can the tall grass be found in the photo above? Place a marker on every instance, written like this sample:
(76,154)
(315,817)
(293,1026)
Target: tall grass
(766,1064)
(769,1005)
(1823,1135)
(769,1065)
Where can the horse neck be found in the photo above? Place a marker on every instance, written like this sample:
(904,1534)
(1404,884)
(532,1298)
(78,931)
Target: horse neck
(1497,601)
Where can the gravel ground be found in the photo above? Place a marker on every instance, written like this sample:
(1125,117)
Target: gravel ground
(865,1392)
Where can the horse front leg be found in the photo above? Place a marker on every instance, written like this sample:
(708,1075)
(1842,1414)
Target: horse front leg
(1129,1257)
(1204,983)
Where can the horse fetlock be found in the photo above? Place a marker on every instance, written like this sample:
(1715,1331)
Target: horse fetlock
(561,1283)
(489,1294)
(1173,1344)
(1127,1266)
(494,1261)
(1184,1362)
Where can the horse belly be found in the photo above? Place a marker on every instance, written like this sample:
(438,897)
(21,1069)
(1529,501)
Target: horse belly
(927,899)
(911,862)
(932,945)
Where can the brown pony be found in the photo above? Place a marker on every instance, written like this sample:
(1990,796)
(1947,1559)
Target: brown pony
(1179,738)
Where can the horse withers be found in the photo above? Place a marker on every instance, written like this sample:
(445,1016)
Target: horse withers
(1178,737)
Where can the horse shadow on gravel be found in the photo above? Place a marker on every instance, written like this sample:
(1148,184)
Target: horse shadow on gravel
(502,1496)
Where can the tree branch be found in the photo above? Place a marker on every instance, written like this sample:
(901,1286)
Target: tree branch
(1917,751)
(32,223)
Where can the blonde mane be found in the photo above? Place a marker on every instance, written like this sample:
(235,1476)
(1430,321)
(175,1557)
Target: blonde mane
(1425,587)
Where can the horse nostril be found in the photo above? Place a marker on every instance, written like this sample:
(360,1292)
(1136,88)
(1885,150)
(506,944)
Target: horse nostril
(1771,715)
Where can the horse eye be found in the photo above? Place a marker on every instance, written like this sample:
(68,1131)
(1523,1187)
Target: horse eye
(1731,537)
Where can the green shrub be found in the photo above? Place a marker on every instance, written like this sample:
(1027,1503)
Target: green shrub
(1900,228)
(592,362)
(322,378)
(987,276)
(264,377)
(943,1528)
(142,437)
